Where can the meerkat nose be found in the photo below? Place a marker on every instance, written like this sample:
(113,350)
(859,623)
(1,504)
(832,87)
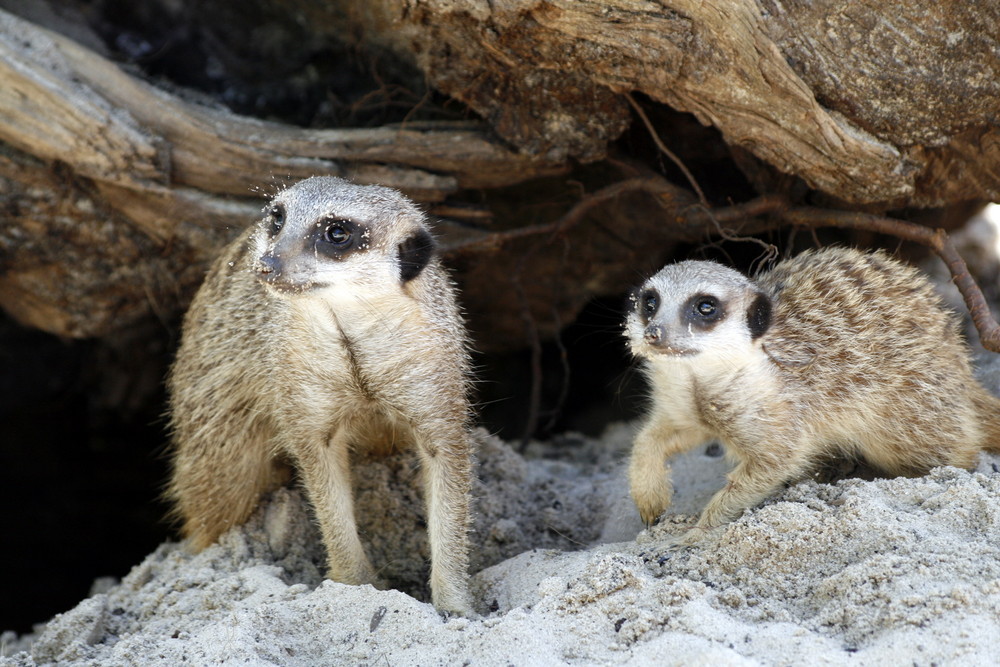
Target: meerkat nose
(653,334)
(268,264)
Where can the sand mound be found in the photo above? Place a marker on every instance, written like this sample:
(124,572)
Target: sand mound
(902,571)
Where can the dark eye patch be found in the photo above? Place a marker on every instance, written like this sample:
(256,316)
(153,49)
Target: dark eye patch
(339,233)
(706,307)
(337,237)
(704,311)
(276,218)
(648,303)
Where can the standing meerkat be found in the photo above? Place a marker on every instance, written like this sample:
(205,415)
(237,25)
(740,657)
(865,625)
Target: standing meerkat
(328,325)
(833,352)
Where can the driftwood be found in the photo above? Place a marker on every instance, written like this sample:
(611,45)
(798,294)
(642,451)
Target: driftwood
(116,192)
(868,102)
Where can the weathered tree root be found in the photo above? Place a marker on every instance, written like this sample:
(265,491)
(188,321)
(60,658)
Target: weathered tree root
(684,212)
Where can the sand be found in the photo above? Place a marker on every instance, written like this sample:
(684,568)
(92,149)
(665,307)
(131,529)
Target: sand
(891,571)
(855,572)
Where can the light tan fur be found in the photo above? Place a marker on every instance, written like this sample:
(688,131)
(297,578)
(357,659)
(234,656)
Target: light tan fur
(835,352)
(290,354)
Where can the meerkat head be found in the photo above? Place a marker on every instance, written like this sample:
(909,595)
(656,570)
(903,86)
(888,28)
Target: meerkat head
(696,308)
(326,232)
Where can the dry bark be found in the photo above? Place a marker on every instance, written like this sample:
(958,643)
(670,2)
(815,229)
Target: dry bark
(891,104)
(116,192)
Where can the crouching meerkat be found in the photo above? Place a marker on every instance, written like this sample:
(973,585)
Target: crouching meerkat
(328,325)
(834,352)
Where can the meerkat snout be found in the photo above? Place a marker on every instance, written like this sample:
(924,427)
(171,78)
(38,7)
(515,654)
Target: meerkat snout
(329,326)
(268,266)
(833,352)
(654,334)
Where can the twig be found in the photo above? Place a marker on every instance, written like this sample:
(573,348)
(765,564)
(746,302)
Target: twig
(563,356)
(650,184)
(666,151)
(751,209)
(531,329)
(770,250)
(982,318)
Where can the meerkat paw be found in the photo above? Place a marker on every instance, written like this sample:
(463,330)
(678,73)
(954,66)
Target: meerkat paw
(460,610)
(652,500)
(356,574)
(649,484)
(378,583)
(454,603)
(674,544)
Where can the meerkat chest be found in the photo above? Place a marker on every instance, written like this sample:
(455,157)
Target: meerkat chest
(718,395)
(350,348)
(673,397)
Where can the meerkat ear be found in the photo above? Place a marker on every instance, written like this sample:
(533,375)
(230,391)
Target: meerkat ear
(759,315)
(414,254)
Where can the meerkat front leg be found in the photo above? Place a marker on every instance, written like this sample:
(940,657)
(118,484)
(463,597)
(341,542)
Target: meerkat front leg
(649,473)
(326,472)
(446,464)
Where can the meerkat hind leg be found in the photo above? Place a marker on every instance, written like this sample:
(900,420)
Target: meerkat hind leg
(326,473)
(214,490)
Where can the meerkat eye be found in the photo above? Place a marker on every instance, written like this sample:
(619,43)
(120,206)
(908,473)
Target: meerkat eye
(338,233)
(706,306)
(649,303)
(276,213)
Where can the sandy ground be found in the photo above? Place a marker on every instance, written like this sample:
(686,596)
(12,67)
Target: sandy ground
(900,571)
